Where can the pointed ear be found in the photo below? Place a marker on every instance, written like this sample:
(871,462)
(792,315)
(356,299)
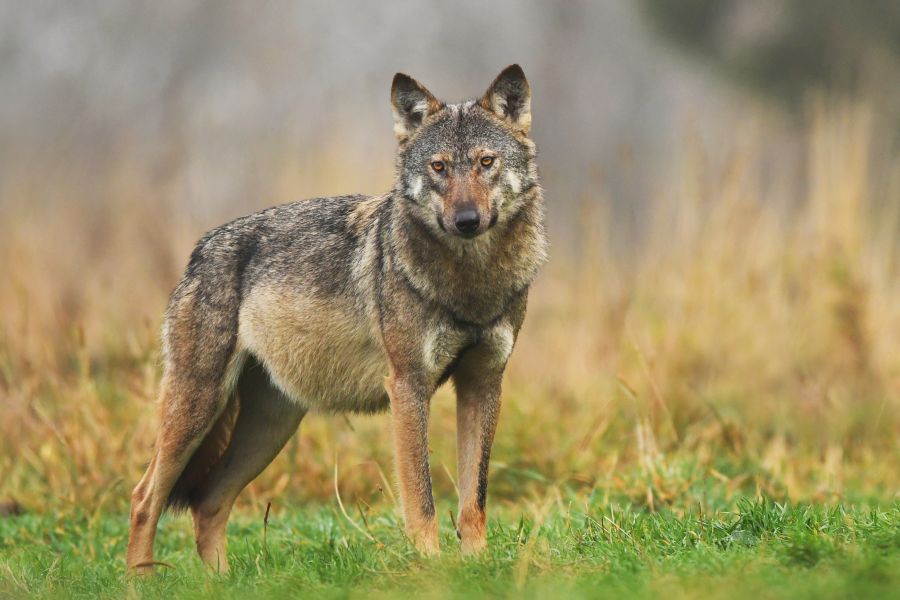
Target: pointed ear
(509,97)
(411,103)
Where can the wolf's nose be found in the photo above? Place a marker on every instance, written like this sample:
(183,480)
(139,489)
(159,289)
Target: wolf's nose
(467,221)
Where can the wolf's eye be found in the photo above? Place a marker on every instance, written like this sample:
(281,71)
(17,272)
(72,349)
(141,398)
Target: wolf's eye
(487,161)
(438,165)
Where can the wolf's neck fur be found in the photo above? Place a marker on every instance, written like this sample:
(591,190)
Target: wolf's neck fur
(473,280)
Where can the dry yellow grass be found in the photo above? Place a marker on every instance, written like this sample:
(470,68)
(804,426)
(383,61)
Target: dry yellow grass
(752,346)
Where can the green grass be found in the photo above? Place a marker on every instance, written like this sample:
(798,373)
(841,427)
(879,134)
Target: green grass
(759,549)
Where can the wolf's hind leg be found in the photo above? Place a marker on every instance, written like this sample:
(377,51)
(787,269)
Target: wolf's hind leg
(266,420)
(140,541)
(188,412)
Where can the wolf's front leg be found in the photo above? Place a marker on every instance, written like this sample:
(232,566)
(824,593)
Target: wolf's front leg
(409,412)
(477,410)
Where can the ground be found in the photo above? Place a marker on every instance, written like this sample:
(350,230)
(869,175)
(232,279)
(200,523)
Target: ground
(759,548)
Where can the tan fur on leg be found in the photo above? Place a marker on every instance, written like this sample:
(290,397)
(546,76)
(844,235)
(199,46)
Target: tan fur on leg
(477,411)
(266,421)
(176,442)
(409,411)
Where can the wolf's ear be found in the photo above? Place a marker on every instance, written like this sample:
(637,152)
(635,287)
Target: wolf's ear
(411,103)
(509,97)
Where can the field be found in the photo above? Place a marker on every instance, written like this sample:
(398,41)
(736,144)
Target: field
(716,413)
(587,550)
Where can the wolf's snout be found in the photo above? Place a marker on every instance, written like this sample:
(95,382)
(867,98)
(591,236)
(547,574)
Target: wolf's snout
(467,221)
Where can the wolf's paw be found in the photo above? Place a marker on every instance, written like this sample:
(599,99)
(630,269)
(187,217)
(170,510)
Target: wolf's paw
(426,540)
(471,546)
(472,531)
(143,570)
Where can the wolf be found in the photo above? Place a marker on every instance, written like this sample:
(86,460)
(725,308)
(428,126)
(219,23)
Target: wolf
(355,304)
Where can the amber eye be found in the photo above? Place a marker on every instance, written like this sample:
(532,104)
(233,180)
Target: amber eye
(487,161)
(438,165)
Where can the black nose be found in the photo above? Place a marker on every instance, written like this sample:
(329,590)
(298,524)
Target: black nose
(467,221)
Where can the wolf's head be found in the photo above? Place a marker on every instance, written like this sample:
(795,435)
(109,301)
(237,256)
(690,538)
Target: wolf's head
(466,167)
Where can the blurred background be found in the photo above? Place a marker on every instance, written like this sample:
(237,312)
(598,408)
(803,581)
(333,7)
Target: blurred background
(721,314)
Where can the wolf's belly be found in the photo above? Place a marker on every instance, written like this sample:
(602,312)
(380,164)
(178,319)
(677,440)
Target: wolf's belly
(322,353)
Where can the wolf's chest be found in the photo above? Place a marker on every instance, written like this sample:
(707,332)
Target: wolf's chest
(322,353)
